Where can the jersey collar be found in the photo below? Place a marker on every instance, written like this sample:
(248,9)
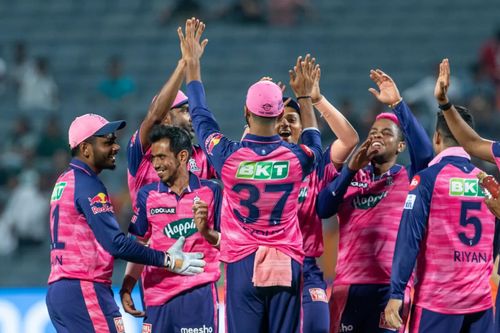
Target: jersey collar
(194,184)
(451,151)
(77,164)
(262,139)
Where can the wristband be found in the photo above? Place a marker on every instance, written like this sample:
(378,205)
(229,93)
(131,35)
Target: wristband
(445,107)
(303,97)
(393,105)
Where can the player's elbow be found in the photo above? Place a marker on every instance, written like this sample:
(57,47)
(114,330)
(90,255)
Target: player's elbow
(324,206)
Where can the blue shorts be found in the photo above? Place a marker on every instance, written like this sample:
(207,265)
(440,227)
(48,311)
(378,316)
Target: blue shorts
(194,310)
(497,314)
(83,306)
(427,321)
(316,316)
(359,308)
(252,309)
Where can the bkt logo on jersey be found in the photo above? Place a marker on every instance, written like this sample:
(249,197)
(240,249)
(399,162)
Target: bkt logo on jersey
(263,170)
(461,187)
(58,191)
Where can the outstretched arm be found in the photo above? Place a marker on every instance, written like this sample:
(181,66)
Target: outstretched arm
(465,135)
(162,103)
(347,137)
(417,140)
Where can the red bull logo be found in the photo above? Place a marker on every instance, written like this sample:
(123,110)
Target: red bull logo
(212,141)
(100,203)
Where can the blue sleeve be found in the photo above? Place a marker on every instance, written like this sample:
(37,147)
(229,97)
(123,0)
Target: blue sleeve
(330,198)
(311,138)
(495,148)
(216,146)
(217,191)
(411,231)
(417,140)
(134,153)
(92,200)
(139,224)
(324,162)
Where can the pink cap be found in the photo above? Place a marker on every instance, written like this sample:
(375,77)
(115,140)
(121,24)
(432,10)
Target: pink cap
(90,124)
(265,99)
(180,100)
(387,115)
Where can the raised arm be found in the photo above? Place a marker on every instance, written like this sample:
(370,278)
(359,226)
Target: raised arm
(347,137)
(465,135)
(302,79)
(417,140)
(162,103)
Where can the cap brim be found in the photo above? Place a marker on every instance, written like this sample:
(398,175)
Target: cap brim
(111,127)
(178,105)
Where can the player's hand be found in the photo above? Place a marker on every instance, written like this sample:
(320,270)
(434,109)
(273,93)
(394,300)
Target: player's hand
(391,312)
(361,156)
(389,93)
(200,210)
(303,75)
(128,304)
(191,47)
(316,93)
(184,263)
(443,82)
(494,206)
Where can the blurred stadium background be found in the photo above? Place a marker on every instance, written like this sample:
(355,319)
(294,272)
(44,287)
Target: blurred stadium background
(63,58)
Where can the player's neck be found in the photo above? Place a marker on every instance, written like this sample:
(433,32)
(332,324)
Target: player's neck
(381,168)
(262,130)
(179,184)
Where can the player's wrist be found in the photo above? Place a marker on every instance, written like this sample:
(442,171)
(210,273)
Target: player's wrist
(128,284)
(395,102)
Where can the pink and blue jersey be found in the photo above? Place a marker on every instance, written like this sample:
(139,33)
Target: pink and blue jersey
(447,231)
(141,171)
(162,217)
(261,177)
(310,222)
(85,235)
(369,209)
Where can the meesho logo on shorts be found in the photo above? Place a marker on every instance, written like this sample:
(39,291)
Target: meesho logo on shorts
(263,170)
(461,187)
(182,227)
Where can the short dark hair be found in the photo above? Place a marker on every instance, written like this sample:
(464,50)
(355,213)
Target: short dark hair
(76,151)
(179,138)
(444,130)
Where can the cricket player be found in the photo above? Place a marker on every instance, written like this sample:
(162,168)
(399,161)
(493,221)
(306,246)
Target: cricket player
(261,240)
(85,236)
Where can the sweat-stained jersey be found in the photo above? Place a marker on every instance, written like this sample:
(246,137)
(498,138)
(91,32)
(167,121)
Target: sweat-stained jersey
(84,232)
(369,209)
(310,222)
(261,177)
(141,171)
(447,230)
(163,217)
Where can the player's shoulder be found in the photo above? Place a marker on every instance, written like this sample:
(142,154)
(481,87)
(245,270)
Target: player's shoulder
(148,188)
(213,184)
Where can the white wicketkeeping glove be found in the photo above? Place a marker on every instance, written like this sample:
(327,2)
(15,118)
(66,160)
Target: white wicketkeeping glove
(184,263)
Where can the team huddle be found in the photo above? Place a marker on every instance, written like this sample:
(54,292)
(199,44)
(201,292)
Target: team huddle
(416,242)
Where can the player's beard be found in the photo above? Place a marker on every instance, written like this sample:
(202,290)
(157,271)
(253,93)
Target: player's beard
(105,161)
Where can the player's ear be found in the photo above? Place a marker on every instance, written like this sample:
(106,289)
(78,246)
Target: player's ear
(86,149)
(183,156)
(401,146)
